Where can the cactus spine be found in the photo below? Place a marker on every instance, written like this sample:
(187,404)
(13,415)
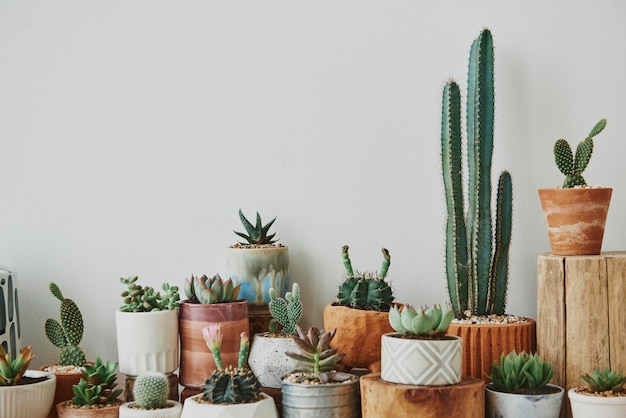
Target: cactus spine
(68,333)
(288,311)
(477,273)
(150,390)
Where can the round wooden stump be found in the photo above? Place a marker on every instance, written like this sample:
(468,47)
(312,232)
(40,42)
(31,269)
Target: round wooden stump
(381,399)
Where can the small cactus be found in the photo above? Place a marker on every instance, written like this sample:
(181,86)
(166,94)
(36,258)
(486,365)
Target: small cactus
(150,390)
(287,311)
(573,165)
(605,380)
(256,234)
(365,290)
(425,322)
(68,333)
(207,290)
(139,298)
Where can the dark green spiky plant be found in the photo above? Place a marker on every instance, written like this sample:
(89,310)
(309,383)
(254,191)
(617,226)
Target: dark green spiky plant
(256,234)
(604,380)
(573,165)
(367,290)
(477,257)
(68,333)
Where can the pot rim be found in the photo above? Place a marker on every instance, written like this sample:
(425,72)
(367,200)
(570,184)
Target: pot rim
(489,386)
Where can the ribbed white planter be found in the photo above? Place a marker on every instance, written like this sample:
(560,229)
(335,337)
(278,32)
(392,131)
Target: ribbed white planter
(586,406)
(28,401)
(147,341)
(173,410)
(264,408)
(268,361)
(510,405)
(421,362)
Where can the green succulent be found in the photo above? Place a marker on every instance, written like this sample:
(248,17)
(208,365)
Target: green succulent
(207,290)
(367,290)
(573,165)
(605,380)
(139,298)
(150,390)
(516,373)
(68,333)
(256,234)
(288,311)
(12,369)
(424,322)
(98,385)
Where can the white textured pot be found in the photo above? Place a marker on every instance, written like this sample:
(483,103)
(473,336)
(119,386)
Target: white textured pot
(173,410)
(28,401)
(586,406)
(10,333)
(421,362)
(147,341)
(257,270)
(264,408)
(268,361)
(510,405)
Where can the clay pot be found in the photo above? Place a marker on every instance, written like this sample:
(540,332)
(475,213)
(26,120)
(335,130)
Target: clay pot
(196,360)
(65,411)
(64,383)
(484,343)
(359,334)
(576,218)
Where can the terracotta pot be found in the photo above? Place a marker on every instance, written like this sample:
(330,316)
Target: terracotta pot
(65,411)
(28,400)
(64,383)
(484,343)
(196,360)
(359,334)
(575,219)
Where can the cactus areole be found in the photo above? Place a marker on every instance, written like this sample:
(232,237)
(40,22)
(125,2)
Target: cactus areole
(477,252)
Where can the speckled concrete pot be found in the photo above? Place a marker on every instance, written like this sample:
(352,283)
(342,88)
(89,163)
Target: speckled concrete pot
(268,360)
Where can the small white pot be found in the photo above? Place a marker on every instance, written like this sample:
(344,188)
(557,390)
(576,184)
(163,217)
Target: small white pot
(264,408)
(421,362)
(147,341)
(173,410)
(513,405)
(586,406)
(268,361)
(28,401)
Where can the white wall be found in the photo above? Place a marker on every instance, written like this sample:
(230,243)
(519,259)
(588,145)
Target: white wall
(131,132)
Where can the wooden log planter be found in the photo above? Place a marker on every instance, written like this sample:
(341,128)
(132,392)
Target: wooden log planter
(581,320)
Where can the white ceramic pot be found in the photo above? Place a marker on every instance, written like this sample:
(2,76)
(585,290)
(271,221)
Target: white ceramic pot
(173,410)
(586,406)
(264,408)
(147,341)
(10,333)
(421,362)
(510,405)
(28,401)
(268,361)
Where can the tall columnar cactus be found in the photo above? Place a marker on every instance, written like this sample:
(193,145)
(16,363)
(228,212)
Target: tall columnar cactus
(573,165)
(150,390)
(68,333)
(367,290)
(477,272)
(288,311)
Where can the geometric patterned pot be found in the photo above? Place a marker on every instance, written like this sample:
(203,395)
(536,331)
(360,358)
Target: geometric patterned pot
(10,332)
(421,362)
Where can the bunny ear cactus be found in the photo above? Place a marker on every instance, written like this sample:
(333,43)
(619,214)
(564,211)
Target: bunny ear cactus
(365,290)
(68,333)
(288,311)
(573,165)
(477,273)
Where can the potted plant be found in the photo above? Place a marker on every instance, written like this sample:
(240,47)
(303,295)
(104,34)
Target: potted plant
(150,393)
(361,314)
(66,334)
(24,393)
(147,329)
(229,391)
(315,388)
(95,394)
(477,258)
(520,388)
(575,213)
(210,301)
(10,333)
(267,353)
(604,395)
(258,263)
